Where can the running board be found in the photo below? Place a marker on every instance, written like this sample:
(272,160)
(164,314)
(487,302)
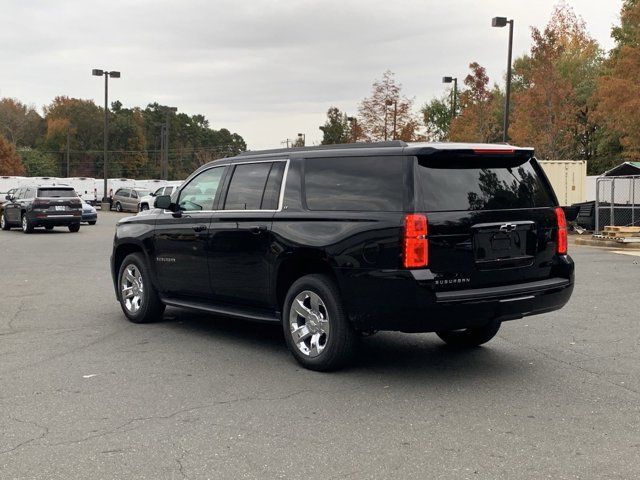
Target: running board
(247,314)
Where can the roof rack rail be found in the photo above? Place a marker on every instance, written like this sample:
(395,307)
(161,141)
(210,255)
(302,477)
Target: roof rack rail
(338,146)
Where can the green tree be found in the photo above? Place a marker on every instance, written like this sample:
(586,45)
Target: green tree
(38,163)
(437,118)
(336,129)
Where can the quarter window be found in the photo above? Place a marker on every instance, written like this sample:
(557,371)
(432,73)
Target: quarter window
(355,183)
(200,193)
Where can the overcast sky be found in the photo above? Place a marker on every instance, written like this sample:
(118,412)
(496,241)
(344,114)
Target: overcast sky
(266,69)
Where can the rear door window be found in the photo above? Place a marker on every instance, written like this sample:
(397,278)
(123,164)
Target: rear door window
(355,183)
(247,186)
(477,183)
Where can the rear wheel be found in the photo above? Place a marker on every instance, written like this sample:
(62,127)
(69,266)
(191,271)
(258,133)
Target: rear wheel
(316,327)
(118,207)
(74,227)
(92,222)
(472,336)
(27,226)
(3,222)
(138,299)
(48,227)
(144,207)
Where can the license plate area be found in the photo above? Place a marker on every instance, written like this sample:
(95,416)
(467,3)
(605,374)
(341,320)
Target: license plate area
(504,245)
(60,208)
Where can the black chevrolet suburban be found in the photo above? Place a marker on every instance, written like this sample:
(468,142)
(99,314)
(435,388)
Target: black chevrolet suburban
(340,241)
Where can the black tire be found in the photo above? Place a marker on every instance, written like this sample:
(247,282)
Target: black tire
(92,222)
(3,223)
(150,307)
(470,337)
(27,226)
(340,341)
(144,207)
(48,227)
(75,227)
(118,207)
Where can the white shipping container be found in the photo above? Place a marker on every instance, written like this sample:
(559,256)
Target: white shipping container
(152,184)
(112,184)
(568,179)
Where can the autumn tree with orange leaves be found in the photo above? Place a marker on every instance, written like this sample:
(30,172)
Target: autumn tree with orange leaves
(479,120)
(553,87)
(618,90)
(387,114)
(10,163)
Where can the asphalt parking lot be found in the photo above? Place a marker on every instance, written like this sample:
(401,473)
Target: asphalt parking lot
(85,394)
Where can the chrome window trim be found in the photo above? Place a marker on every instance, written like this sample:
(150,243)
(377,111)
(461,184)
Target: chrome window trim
(280,199)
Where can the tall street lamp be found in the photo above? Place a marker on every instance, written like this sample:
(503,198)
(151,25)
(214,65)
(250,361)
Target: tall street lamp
(164,169)
(502,22)
(454,99)
(99,73)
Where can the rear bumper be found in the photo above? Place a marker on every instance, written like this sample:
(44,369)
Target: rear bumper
(89,217)
(44,219)
(407,301)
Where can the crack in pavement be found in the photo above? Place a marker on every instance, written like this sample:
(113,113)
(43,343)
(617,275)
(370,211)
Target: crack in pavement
(45,432)
(13,318)
(177,412)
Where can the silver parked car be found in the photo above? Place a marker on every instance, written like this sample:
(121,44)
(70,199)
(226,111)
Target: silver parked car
(126,199)
(145,203)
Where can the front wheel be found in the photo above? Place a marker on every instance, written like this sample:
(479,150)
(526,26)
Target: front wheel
(118,207)
(144,207)
(316,327)
(470,337)
(74,227)
(48,227)
(92,222)
(138,299)
(3,222)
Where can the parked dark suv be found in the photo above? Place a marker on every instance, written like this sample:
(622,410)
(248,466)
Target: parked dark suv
(340,241)
(45,206)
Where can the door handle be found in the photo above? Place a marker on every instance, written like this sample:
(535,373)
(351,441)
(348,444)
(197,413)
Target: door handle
(199,228)
(258,229)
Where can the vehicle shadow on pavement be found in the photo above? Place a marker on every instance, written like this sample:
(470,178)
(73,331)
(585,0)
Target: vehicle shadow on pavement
(395,354)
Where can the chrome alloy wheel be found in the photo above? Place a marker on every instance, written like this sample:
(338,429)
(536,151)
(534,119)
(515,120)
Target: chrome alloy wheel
(131,288)
(25,224)
(2,221)
(309,323)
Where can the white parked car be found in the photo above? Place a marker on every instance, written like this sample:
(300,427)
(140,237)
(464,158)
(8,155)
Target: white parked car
(145,203)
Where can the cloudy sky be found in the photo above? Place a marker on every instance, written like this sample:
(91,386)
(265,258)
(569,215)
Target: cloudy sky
(266,69)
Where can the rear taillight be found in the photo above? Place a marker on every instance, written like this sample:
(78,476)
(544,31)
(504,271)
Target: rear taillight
(416,245)
(40,203)
(76,202)
(561,241)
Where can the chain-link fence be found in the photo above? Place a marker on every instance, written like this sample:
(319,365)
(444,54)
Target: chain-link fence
(617,202)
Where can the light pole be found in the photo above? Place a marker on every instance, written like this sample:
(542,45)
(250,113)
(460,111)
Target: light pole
(502,22)
(454,100)
(354,128)
(99,73)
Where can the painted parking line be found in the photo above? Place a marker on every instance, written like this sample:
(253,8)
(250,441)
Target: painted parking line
(627,252)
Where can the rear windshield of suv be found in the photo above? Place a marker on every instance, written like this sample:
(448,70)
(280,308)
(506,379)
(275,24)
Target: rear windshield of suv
(476,183)
(57,192)
(354,183)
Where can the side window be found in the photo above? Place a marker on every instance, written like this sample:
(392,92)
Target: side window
(20,194)
(200,193)
(354,184)
(271,196)
(134,194)
(159,191)
(247,186)
(31,193)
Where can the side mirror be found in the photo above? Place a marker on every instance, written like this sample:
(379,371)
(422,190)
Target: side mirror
(163,202)
(8,197)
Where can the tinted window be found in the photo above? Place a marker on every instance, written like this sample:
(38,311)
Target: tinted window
(200,193)
(360,183)
(271,196)
(57,192)
(123,192)
(479,184)
(158,191)
(247,186)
